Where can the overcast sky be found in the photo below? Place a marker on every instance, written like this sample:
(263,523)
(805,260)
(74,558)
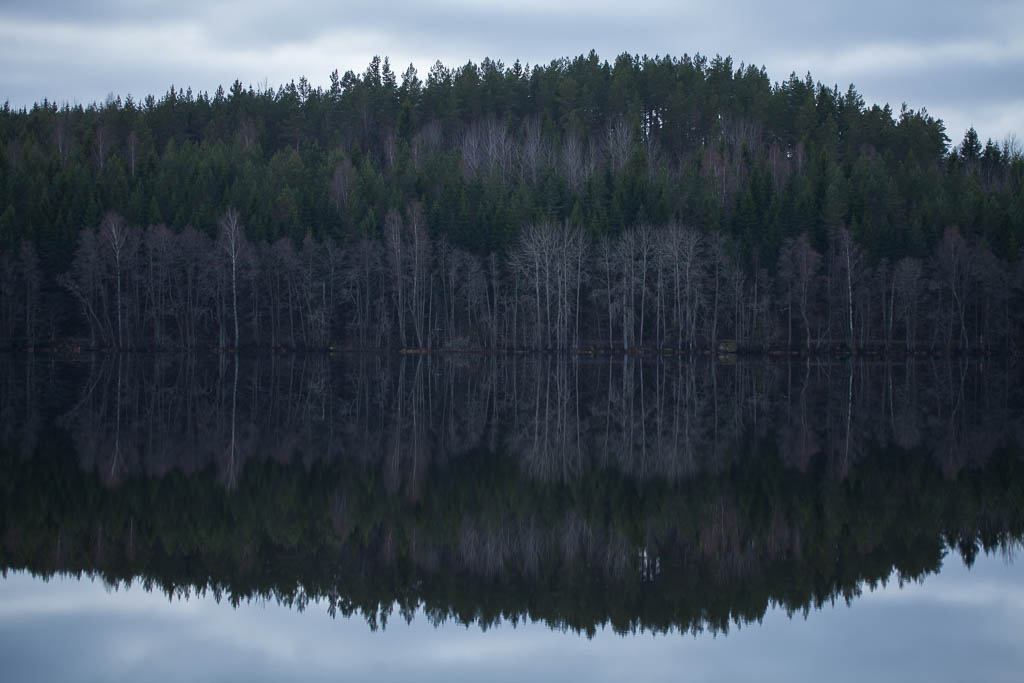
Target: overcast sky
(963,61)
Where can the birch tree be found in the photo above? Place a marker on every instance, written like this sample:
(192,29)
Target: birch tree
(799,264)
(114,234)
(232,242)
(851,264)
(953,269)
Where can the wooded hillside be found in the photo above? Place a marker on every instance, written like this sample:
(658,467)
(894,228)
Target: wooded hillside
(649,202)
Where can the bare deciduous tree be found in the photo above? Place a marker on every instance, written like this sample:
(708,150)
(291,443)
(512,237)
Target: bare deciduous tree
(953,267)
(619,145)
(798,267)
(851,262)
(100,147)
(341,181)
(232,242)
(114,234)
(132,148)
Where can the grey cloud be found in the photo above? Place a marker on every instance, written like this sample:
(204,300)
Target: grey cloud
(105,12)
(936,54)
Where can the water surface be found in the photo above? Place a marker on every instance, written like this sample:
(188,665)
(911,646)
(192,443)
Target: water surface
(522,516)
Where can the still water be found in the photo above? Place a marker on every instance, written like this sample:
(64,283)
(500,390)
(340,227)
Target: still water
(445,518)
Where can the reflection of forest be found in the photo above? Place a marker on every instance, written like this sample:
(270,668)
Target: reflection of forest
(646,493)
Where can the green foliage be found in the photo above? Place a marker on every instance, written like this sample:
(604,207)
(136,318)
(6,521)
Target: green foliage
(832,160)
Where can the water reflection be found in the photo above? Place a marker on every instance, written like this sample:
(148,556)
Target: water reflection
(659,495)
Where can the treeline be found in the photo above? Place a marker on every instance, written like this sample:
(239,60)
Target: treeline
(484,151)
(556,287)
(669,495)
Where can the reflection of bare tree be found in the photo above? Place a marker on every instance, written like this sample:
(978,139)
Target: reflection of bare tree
(903,410)
(547,432)
(797,439)
(229,471)
(558,416)
(681,440)
(111,473)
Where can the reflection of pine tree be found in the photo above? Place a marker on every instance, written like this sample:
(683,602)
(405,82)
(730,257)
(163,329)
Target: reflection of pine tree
(383,481)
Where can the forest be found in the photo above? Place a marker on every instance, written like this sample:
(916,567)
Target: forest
(669,204)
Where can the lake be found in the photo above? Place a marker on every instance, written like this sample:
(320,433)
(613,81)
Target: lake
(467,516)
